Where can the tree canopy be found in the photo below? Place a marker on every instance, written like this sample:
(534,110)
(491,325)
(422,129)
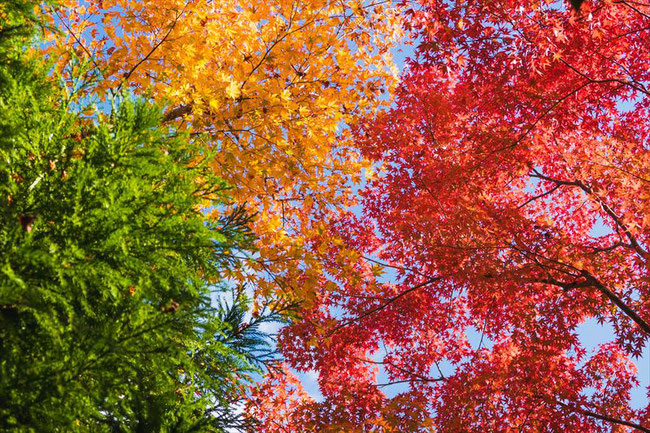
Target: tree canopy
(443,235)
(272,85)
(512,207)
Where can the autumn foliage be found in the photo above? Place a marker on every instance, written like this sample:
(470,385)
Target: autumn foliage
(269,86)
(451,234)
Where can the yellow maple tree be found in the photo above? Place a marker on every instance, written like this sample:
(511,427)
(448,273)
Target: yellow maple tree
(271,85)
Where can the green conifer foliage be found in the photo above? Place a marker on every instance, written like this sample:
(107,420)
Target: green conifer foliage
(108,268)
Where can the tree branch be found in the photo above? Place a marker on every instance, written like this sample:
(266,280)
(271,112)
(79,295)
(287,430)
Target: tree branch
(605,417)
(382,306)
(591,281)
(177,112)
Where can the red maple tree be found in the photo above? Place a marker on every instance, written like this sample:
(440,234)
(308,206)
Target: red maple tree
(513,204)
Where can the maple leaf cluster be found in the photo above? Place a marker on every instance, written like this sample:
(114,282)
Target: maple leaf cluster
(269,86)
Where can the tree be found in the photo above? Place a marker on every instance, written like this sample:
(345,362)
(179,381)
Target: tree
(272,85)
(512,206)
(113,315)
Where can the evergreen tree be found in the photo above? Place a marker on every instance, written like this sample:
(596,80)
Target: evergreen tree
(109,270)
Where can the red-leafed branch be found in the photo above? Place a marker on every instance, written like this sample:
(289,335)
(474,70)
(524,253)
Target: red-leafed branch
(589,280)
(606,418)
(383,305)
